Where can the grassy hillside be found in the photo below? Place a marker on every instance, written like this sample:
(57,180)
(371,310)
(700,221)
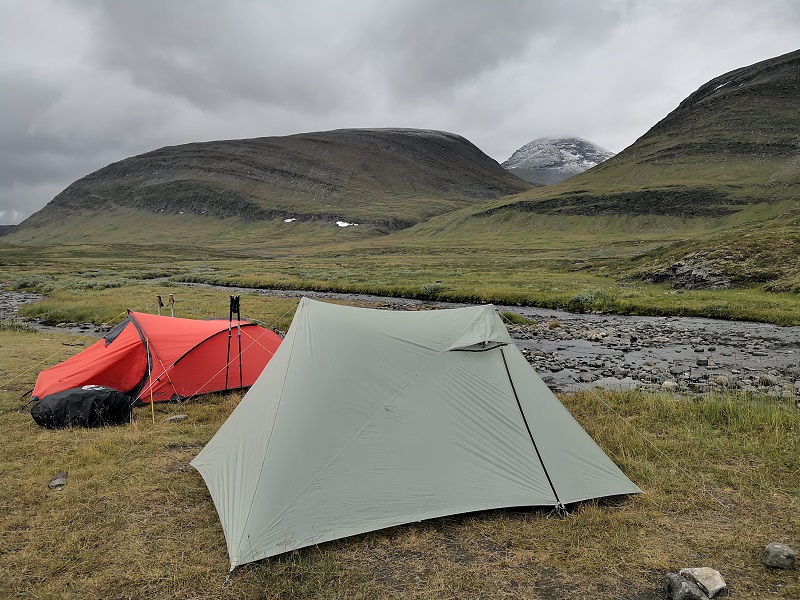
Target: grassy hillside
(381,179)
(714,188)
(720,174)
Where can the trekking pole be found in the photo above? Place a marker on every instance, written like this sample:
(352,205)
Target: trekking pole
(172,304)
(239,335)
(159,304)
(230,326)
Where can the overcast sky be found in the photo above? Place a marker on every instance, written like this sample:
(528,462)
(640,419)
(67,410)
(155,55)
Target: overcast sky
(86,83)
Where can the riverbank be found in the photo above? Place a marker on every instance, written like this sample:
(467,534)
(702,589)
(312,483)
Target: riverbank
(572,352)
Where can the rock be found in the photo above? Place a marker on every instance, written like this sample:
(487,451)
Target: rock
(720,380)
(767,381)
(702,362)
(778,556)
(58,481)
(694,272)
(670,385)
(176,418)
(707,579)
(678,587)
(677,369)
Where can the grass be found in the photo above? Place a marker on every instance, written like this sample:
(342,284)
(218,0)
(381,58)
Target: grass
(81,287)
(720,479)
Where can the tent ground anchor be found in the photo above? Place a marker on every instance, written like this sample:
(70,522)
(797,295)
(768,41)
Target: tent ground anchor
(559,510)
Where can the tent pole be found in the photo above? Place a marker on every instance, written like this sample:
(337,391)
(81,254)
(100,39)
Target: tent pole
(560,508)
(239,334)
(230,326)
(149,380)
(172,305)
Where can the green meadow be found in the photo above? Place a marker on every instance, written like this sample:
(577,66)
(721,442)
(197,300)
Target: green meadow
(134,520)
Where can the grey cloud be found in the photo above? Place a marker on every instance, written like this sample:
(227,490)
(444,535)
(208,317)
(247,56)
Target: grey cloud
(84,84)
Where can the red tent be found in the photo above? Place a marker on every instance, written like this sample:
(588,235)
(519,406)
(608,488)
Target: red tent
(166,358)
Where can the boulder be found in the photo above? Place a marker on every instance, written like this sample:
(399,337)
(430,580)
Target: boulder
(677,587)
(707,579)
(778,556)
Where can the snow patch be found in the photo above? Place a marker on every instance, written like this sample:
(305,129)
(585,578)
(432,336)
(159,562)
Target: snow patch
(721,85)
(345,224)
(289,220)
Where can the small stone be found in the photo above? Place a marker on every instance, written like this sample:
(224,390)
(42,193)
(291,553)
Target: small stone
(669,385)
(778,556)
(767,380)
(58,481)
(702,362)
(720,380)
(707,579)
(699,350)
(176,418)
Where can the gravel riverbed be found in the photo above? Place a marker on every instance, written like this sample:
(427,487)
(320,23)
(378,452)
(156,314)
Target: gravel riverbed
(684,355)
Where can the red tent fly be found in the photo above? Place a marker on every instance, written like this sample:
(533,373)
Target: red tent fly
(160,358)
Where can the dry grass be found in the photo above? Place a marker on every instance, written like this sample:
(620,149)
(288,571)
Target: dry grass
(135,521)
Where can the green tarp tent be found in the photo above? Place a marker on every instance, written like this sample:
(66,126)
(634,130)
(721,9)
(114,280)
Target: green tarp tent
(366,419)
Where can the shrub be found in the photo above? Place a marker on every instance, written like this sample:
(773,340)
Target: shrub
(592,300)
(16,325)
(515,319)
(430,290)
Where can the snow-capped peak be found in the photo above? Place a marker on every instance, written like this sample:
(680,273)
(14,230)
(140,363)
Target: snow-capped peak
(550,160)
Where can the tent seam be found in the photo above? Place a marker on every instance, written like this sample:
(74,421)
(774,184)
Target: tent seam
(266,450)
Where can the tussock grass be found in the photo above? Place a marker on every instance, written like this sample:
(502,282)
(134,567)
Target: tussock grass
(720,479)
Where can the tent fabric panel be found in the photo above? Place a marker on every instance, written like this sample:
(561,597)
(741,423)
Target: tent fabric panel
(578,467)
(121,365)
(483,332)
(203,369)
(232,461)
(450,442)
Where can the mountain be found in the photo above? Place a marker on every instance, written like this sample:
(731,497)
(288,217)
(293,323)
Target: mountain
(6,229)
(714,184)
(550,160)
(380,179)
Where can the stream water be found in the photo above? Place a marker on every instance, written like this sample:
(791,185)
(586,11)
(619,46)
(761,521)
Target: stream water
(686,355)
